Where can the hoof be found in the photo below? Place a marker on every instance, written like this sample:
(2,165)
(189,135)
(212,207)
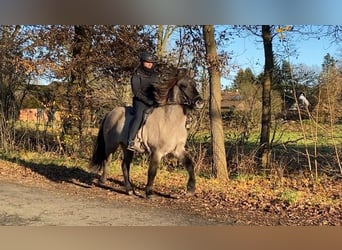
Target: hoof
(149,195)
(190,188)
(190,192)
(99,182)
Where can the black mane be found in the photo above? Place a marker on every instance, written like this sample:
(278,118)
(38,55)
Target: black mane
(168,78)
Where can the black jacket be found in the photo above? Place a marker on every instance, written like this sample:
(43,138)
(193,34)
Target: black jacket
(142,85)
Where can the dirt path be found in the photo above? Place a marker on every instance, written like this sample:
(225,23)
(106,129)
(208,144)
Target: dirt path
(27,205)
(48,194)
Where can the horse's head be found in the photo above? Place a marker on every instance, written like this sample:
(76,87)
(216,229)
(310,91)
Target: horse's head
(187,92)
(178,87)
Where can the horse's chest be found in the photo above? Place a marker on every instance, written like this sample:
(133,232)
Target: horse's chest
(166,125)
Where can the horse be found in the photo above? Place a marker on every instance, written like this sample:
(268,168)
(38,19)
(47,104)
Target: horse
(163,132)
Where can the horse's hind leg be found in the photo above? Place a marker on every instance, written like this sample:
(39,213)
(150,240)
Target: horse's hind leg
(105,166)
(152,171)
(125,166)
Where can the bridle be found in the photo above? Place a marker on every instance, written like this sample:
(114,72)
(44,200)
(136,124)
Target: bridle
(180,98)
(188,101)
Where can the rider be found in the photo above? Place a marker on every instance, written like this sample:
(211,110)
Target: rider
(142,87)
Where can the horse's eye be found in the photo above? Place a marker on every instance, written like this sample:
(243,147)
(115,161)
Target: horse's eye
(183,86)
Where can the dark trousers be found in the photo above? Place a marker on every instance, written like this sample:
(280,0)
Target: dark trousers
(139,111)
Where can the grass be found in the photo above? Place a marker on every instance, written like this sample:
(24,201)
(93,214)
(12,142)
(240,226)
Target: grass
(292,135)
(289,145)
(289,195)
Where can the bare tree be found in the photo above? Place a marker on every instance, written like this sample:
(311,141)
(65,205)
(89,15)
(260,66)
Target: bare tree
(17,70)
(163,34)
(219,152)
(263,154)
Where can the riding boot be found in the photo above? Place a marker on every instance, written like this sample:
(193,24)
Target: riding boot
(139,108)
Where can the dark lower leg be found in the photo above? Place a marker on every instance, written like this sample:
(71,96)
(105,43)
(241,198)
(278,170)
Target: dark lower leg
(187,162)
(152,171)
(105,165)
(125,166)
(104,174)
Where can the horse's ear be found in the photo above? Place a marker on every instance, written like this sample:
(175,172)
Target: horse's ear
(191,73)
(182,72)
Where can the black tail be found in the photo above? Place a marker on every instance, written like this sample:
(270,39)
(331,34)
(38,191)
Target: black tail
(99,153)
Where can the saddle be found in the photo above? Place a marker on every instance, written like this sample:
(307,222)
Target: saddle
(146,114)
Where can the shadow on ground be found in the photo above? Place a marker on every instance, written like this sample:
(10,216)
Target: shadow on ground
(76,176)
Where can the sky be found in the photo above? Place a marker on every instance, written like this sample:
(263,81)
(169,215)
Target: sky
(246,52)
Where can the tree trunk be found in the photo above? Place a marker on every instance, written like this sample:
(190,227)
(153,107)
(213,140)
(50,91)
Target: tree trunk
(163,35)
(217,135)
(263,155)
(77,86)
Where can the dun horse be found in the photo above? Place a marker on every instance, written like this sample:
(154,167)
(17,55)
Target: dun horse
(164,131)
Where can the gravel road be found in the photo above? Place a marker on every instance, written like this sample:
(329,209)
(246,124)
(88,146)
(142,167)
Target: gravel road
(22,205)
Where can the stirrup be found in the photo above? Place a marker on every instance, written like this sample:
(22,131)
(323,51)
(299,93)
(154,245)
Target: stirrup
(136,146)
(131,145)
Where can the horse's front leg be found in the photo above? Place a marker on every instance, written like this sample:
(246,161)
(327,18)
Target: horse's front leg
(189,165)
(152,171)
(125,166)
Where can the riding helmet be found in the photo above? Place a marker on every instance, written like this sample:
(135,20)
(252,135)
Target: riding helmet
(147,57)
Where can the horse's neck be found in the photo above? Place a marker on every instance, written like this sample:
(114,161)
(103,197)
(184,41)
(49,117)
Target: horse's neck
(176,110)
(170,114)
